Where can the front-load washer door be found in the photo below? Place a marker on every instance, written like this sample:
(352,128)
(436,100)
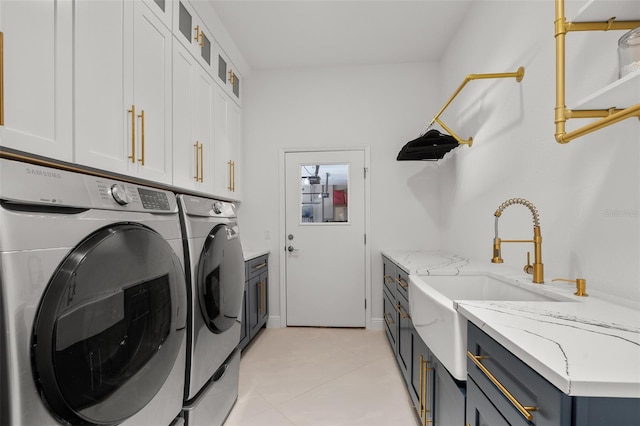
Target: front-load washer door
(220,278)
(109,327)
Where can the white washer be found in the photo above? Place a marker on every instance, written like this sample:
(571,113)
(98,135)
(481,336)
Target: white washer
(215,287)
(92,300)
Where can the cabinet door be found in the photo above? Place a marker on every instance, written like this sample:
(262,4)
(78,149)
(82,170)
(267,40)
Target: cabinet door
(420,386)
(449,397)
(263,307)
(152,94)
(122,89)
(227,146)
(102,131)
(193,115)
(404,338)
(390,320)
(193,34)
(37,59)
(255,308)
(389,274)
(480,411)
(229,77)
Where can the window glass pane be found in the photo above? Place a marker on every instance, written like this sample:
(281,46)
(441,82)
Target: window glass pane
(205,50)
(222,69)
(184,22)
(325,193)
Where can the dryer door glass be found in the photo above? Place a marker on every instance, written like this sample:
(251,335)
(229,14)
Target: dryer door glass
(221,278)
(110,325)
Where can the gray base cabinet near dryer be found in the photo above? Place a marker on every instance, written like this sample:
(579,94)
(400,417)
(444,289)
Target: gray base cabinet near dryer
(256,296)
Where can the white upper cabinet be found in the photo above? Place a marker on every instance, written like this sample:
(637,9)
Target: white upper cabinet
(123,88)
(227,154)
(36,100)
(193,117)
(193,33)
(229,77)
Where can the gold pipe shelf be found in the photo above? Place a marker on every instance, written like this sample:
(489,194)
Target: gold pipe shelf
(606,117)
(518,75)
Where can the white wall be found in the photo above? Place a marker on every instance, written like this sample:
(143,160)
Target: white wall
(382,107)
(587,191)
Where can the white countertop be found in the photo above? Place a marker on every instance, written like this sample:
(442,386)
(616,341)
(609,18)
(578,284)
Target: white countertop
(252,254)
(590,347)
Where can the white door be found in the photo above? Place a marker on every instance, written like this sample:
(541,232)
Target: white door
(325,238)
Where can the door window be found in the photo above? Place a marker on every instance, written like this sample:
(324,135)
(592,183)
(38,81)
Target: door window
(324,192)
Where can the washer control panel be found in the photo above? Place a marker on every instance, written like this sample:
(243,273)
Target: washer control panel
(154,200)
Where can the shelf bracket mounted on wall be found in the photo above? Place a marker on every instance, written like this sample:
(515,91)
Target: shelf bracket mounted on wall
(606,117)
(518,75)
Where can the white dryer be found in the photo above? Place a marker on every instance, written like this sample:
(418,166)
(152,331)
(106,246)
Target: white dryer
(215,287)
(92,300)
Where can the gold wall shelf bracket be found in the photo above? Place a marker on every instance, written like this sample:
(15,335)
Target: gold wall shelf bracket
(606,117)
(518,75)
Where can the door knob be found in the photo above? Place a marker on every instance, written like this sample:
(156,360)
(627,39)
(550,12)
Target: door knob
(291,249)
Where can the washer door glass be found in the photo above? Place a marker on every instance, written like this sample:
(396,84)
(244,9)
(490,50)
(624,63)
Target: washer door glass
(221,278)
(110,326)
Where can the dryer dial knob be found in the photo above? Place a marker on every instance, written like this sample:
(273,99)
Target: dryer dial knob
(119,193)
(217,207)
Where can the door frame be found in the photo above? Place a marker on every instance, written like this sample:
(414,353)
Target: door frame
(283,241)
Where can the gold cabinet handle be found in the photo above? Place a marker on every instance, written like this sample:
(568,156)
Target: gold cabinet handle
(232,176)
(197,30)
(232,77)
(402,283)
(201,42)
(197,176)
(1,78)
(424,386)
(403,315)
(388,318)
(132,157)
(260,266)
(524,410)
(141,159)
(388,279)
(201,149)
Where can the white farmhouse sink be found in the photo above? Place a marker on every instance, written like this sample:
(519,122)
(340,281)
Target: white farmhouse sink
(432,304)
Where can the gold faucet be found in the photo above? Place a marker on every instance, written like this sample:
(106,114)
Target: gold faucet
(537,268)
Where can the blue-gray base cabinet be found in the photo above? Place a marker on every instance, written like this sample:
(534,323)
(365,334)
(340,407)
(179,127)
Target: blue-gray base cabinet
(255,310)
(503,390)
(436,396)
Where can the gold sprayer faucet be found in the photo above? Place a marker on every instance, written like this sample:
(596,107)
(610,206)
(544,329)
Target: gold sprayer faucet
(537,268)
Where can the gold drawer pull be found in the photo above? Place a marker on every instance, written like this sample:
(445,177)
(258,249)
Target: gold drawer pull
(141,159)
(388,279)
(260,266)
(522,409)
(388,318)
(402,283)
(403,315)
(132,157)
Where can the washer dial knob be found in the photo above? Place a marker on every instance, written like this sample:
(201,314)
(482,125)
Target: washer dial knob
(217,207)
(119,193)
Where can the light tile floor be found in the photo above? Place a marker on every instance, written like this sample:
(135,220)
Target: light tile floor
(321,377)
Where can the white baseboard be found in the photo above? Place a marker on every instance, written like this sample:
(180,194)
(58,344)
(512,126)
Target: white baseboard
(273,321)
